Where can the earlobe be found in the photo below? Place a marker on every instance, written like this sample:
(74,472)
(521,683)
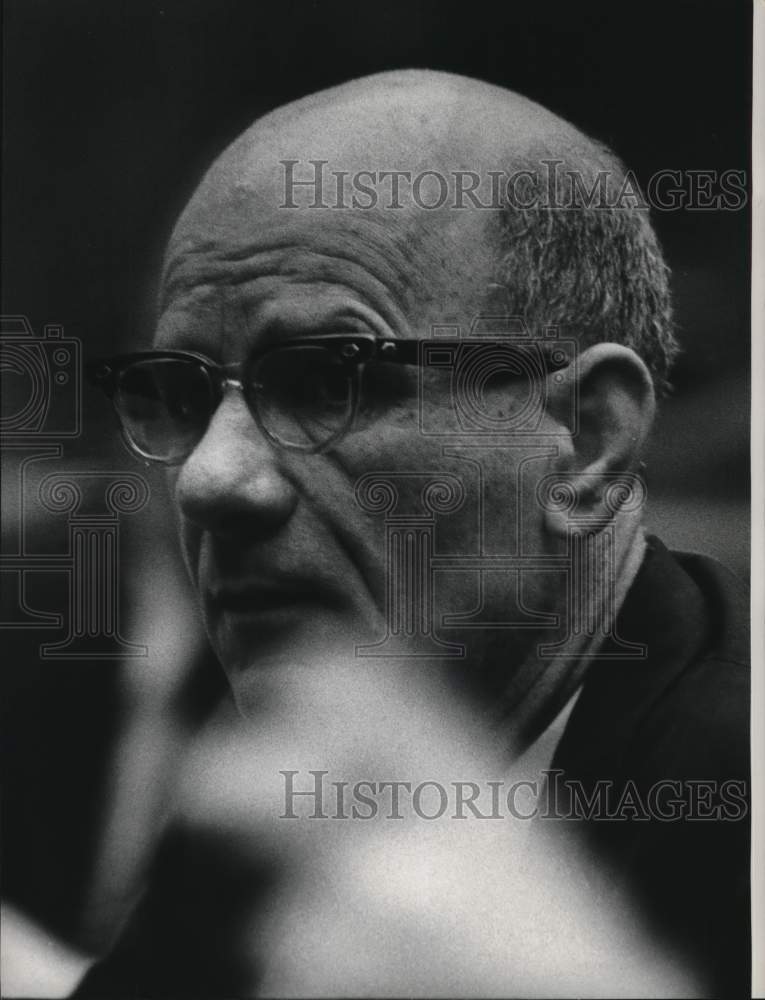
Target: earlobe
(614,408)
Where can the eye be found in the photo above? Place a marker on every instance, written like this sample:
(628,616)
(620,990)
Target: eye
(164,405)
(301,377)
(303,393)
(386,385)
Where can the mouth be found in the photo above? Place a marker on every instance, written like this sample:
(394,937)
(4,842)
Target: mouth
(253,599)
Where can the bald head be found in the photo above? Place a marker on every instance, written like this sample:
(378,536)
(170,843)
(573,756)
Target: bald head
(411,120)
(443,185)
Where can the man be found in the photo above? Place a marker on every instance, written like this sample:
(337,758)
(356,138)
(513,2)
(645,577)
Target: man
(411,331)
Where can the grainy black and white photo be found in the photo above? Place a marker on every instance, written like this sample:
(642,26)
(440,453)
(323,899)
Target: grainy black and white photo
(376,499)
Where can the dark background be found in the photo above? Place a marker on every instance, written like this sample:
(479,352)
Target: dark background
(113,109)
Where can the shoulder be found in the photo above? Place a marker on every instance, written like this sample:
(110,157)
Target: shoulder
(702,717)
(682,706)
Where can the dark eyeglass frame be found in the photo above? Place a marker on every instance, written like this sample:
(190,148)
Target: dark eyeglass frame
(354,349)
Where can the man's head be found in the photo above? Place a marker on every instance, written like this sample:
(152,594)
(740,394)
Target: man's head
(287,552)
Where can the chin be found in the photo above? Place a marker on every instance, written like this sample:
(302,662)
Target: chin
(256,649)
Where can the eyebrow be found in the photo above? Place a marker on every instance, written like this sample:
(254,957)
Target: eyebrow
(280,330)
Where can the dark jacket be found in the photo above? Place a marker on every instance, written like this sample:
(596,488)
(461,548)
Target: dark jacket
(668,738)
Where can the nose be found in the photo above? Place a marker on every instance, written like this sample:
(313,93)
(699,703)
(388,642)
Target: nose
(233,484)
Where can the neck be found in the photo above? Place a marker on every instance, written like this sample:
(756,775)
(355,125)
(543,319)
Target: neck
(554,670)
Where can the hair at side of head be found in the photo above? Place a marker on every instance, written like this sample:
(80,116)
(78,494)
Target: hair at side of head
(595,272)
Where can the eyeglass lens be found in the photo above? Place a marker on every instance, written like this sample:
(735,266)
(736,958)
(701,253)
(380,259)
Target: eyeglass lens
(165,406)
(302,395)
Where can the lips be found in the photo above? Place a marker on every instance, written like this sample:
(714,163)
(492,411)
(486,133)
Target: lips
(253,597)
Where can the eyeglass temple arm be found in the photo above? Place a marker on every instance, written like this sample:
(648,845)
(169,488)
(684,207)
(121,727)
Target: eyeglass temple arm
(411,351)
(101,373)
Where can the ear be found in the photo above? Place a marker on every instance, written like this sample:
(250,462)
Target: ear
(603,432)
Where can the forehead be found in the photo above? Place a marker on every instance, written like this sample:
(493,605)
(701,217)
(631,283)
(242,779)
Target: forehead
(281,278)
(244,248)
(270,274)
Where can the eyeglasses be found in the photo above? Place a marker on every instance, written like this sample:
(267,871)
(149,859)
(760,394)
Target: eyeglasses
(303,394)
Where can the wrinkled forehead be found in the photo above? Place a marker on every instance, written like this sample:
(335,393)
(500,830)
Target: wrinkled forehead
(244,263)
(275,226)
(329,196)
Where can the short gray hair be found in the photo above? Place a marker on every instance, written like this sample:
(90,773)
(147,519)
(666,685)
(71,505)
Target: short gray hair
(597,273)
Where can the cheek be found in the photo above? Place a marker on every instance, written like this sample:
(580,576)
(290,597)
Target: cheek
(191,542)
(171,481)
(188,535)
